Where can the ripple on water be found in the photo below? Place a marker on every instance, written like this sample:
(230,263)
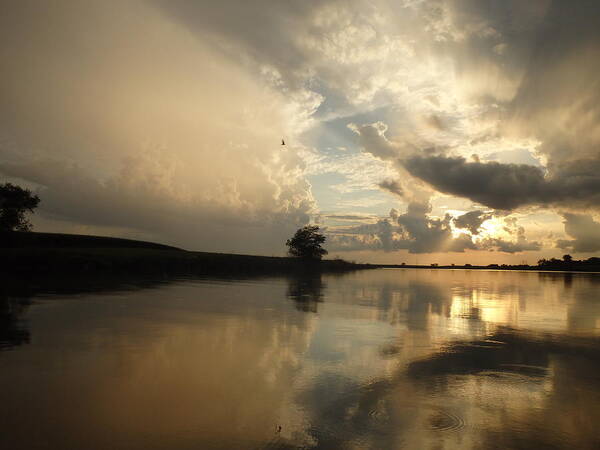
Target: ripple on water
(517,373)
(376,414)
(441,420)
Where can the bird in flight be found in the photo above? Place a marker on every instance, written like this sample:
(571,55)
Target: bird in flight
(282,142)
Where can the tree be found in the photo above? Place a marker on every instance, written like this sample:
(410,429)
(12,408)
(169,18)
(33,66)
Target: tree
(14,203)
(306,243)
(567,258)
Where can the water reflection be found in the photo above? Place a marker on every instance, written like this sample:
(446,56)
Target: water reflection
(383,359)
(16,296)
(306,290)
(521,390)
(13,330)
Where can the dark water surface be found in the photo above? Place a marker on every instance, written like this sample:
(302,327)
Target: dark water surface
(413,359)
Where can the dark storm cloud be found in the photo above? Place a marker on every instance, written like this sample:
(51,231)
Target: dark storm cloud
(500,186)
(585,232)
(471,220)
(392,186)
(509,186)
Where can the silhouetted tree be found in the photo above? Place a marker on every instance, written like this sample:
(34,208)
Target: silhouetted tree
(567,258)
(306,243)
(14,203)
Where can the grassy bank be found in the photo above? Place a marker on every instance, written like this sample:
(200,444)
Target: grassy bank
(15,239)
(47,253)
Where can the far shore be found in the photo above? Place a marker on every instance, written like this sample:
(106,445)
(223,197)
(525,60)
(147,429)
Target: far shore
(587,269)
(42,254)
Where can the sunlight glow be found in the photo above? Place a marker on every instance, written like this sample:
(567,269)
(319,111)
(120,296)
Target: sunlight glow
(493,228)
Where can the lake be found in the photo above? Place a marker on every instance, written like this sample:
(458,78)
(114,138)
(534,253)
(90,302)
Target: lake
(375,359)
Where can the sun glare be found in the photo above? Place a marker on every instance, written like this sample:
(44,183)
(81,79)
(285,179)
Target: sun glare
(492,228)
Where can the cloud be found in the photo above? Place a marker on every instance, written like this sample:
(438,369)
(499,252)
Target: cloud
(501,245)
(471,220)
(147,197)
(426,235)
(417,232)
(500,186)
(211,87)
(372,137)
(574,184)
(522,244)
(377,236)
(350,217)
(392,186)
(502,98)
(342,48)
(585,231)
(414,231)
(509,186)
(124,119)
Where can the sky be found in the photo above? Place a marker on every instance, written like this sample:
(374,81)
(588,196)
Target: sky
(417,131)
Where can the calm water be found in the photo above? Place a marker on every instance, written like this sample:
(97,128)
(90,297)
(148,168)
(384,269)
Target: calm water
(413,359)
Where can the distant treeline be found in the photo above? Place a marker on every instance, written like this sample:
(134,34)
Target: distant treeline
(565,264)
(568,263)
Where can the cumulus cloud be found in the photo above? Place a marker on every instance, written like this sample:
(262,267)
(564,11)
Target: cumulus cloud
(521,244)
(414,231)
(377,236)
(585,232)
(418,232)
(502,245)
(147,197)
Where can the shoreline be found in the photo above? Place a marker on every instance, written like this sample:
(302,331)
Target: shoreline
(592,269)
(32,254)
(147,261)
(35,254)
